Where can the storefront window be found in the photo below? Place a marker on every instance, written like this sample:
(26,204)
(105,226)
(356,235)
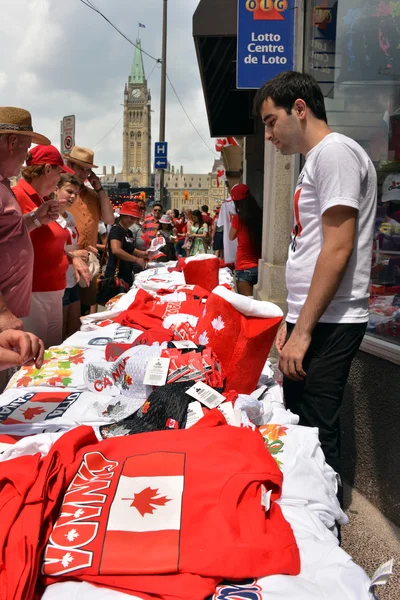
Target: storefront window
(353,50)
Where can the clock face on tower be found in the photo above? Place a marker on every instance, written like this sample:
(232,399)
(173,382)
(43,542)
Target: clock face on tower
(136,93)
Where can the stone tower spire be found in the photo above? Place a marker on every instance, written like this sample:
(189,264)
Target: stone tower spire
(137,71)
(137,125)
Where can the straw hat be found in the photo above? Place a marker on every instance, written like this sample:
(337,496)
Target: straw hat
(19,121)
(81,156)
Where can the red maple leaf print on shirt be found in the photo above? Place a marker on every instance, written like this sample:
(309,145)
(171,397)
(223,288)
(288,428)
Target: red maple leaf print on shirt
(29,413)
(146,501)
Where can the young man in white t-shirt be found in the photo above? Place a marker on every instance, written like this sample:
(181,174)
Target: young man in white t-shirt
(328,267)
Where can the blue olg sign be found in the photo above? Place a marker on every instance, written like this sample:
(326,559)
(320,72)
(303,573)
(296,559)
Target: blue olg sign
(265,40)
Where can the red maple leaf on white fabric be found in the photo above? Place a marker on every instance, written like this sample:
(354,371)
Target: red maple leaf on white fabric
(146,501)
(224,142)
(29,413)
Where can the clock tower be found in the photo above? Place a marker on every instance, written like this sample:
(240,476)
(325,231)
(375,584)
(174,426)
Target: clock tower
(137,125)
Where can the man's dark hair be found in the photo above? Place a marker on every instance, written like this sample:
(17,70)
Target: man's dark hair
(158,204)
(176,213)
(204,208)
(286,88)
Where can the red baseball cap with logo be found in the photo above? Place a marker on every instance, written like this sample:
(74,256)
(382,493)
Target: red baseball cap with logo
(47,155)
(240,192)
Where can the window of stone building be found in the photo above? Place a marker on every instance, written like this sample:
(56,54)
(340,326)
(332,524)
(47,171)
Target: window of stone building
(352,48)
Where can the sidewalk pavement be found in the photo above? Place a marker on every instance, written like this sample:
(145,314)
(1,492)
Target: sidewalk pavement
(371,540)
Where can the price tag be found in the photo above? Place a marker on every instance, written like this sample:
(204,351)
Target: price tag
(382,574)
(156,371)
(265,498)
(183,344)
(194,414)
(206,395)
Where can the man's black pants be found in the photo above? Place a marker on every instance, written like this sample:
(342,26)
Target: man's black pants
(317,399)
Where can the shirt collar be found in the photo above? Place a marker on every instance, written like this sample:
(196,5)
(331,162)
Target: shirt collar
(27,187)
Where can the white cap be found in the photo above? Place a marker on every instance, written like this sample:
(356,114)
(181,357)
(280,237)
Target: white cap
(391,188)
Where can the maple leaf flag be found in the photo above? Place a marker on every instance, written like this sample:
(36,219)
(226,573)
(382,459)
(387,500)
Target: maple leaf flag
(143,527)
(224,143)
(220,175)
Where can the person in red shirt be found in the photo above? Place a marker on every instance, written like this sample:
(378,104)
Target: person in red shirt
(206,216)
(246,226)
(39,178)
(181,230)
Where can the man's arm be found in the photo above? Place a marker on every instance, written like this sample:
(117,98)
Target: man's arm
(339,229)
(106,208)
(7,319)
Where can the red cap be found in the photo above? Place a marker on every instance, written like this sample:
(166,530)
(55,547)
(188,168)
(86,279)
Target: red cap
(240,192)
(48,155)
(130,209)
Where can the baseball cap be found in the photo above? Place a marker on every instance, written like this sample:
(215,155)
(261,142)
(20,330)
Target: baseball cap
(47,155)
(391,188)
(130,209)
(240,191)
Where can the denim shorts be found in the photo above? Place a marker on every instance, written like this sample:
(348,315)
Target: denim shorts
(72,295)
(248,275)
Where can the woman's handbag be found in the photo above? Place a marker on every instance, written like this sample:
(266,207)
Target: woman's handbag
(110,287)
(94,269)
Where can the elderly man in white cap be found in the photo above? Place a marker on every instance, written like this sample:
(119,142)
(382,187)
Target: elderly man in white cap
(92,206)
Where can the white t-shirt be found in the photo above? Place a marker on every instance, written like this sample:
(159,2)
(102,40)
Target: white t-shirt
(224,220)
(337,172)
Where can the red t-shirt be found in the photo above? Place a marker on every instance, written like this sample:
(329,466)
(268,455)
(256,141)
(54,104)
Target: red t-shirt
(50,262)
(180,226)
(145,504)
(206,218)
(246,255)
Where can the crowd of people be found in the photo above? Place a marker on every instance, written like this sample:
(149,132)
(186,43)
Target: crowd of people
(59,230)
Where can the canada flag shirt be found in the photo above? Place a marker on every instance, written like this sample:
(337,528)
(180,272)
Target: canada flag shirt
(170,502)
(337,172)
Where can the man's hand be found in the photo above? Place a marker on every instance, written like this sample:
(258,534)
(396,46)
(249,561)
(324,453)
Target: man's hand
(94,181)
(9,321)
(93,250)
(18,348)
(292,355)
(281,338)
(47,212)
(81,270)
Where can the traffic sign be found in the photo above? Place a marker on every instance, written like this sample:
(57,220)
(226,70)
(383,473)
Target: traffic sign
(160,163)
(68,134)
(161,150)
(157,182)
(68,143)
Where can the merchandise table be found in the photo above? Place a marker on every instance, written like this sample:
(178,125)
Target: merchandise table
(78,387)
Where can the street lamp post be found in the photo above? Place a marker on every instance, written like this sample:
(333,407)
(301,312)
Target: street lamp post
(163,89)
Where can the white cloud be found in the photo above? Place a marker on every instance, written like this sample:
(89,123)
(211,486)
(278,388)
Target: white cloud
(61,58)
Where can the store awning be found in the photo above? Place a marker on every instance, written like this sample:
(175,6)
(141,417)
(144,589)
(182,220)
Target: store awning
(214,30)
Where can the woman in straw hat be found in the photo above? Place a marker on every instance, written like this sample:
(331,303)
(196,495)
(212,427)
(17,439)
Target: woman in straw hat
(39,179)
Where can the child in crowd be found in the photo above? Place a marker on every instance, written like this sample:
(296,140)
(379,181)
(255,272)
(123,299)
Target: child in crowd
(66,193)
